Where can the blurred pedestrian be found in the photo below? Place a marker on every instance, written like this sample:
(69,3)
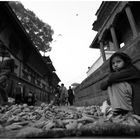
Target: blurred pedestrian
(70,96)
(18,94)
(63,95)
(5,71)
(57,95)
(31,99)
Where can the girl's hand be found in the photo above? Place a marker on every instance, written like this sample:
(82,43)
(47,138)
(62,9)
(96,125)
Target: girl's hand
(104,84)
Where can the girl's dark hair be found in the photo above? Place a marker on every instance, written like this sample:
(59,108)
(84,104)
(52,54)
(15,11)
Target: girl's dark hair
(127,60)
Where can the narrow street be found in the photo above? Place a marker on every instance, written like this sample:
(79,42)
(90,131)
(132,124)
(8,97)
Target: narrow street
(52,87)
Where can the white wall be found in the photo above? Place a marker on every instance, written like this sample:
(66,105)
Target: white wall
(99,62)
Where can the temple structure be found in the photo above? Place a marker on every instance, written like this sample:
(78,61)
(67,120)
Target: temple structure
(29,70)
(118,29)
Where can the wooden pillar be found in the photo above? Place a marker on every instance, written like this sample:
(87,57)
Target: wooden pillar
(131,21)
(102,51)
(20,68)
(114,37)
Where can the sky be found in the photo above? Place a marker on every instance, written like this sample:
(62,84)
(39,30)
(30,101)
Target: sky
(72,22)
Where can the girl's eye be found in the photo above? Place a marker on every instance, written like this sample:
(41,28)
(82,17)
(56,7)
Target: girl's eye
(113,63)
(118,61)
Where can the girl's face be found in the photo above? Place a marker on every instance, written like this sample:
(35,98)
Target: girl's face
(117,63)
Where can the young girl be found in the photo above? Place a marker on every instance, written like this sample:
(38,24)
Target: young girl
(123,85)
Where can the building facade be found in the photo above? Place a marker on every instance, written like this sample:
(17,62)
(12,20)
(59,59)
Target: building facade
(30,70)
(118,29)
(99,62)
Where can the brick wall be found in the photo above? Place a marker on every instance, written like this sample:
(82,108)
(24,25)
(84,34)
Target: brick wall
(89,92)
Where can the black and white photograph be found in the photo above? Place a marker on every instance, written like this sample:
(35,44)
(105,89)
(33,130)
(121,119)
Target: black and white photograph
(69,69)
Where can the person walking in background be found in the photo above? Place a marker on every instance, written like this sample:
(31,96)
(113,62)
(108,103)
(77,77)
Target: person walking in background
(123,85)
(5,70)
(19,94)
(63,95)
(31,98)
(57,95)
(70,96)
(3,93)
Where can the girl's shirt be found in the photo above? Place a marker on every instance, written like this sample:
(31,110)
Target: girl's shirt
(120,95)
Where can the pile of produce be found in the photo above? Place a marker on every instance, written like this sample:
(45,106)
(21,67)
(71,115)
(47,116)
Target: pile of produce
(49,121)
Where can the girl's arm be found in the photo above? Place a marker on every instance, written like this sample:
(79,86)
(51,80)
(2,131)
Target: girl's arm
(124,75)
(104,85)
(128,74)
